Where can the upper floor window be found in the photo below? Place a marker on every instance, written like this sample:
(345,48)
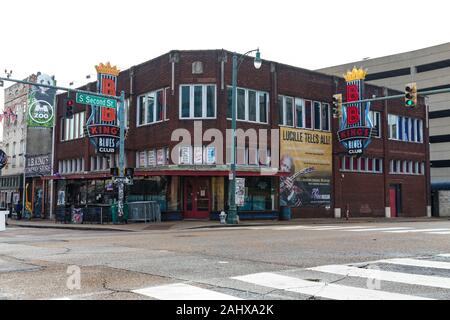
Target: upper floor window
(152,107)
(198,101)
(375,117)
(72,129)
(299,113)
(405,129)
(252,106)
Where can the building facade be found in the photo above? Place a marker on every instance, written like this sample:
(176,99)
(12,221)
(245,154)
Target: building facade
(29,151)
(430,69)
(187,95)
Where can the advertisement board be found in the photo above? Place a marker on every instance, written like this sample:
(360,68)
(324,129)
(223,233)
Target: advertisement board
(307,156)
(41,102)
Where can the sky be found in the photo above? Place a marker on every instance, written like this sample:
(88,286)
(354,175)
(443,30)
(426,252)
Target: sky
(68,38)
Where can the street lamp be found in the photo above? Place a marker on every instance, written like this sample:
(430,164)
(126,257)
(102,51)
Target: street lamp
(232,217)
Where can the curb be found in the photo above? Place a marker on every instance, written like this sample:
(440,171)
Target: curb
(303,222)
(69,228)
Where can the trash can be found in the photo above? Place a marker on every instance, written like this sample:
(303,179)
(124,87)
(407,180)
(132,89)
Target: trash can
(285,213)
(115,213)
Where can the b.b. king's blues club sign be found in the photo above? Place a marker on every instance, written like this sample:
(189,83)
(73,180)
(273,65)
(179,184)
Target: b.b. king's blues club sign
(103,129)
(356,125)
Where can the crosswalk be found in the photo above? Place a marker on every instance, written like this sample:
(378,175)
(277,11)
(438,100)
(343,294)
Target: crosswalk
(337,282)
(352,229)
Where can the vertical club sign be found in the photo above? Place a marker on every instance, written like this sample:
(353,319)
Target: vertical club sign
(102,125)
(356,126)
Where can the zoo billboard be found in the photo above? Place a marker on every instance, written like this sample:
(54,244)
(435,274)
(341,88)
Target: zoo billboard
(41,102)
(307,156)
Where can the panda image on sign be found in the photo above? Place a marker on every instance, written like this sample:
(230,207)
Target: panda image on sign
(44,93)
(42,99)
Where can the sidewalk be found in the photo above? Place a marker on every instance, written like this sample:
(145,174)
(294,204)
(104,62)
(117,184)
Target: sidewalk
(202,224)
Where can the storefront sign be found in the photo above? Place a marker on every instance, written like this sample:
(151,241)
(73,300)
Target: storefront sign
(41,101)
(103,129)
(307,156)
(39,165)
(356,126)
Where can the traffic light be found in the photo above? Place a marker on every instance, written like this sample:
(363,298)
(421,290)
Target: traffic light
(337,105)
(69,103)
(411,95)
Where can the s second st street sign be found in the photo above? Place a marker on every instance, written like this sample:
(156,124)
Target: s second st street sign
(93,100)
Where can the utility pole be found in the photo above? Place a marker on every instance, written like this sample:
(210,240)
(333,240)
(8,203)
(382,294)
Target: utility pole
(121,181)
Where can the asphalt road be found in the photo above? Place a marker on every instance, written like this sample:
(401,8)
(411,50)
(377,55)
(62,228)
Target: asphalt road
(407,260)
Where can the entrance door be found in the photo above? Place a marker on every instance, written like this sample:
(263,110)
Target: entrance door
(197,202)
(395,200)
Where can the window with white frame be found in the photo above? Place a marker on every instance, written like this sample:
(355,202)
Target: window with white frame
(375,117)
(72,129)
(405,129)
(152,107)
(71,166)
(100,163)
(300,113)
(406,167)
(251,105)
(198,101)
(361,164)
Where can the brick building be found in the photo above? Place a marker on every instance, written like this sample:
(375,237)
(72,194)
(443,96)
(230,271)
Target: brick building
(180,88)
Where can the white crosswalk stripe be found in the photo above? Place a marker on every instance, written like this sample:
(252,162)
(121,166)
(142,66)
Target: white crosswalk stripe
(181,291)
(407,278)
(418,263)
(379,229)
(323,290)
(417,230)
(444,255)
(446,232)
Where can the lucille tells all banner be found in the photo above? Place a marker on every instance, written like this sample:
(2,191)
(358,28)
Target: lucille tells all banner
(307,155)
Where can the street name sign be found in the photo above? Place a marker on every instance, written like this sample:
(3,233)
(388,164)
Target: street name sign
(93,100)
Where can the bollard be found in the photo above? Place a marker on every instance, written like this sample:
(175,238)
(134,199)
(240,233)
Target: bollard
(223,217)
(3,215)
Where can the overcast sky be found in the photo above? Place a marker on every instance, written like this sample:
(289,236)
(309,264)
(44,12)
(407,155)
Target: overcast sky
(68,38)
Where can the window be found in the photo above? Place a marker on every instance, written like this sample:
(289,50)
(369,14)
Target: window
(299,113)
(308,114)
(405,129)
(361,165)
(152,107)
(317,115)
(72,129)
(406,167)
(392,125)
(197,101)
(375,117)
(252,106)
(325,116)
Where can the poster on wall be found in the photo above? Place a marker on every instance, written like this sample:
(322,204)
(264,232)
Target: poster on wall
(307,156)
(142,159)
(211,155)
(160,157)
(198,155)
(41,102)
(152,158)
(3,159)
(240,192)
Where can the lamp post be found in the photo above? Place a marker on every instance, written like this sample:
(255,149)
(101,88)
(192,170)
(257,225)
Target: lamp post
(232,217)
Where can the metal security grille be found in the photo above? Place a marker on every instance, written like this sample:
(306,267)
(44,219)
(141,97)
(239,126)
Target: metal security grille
(147,211)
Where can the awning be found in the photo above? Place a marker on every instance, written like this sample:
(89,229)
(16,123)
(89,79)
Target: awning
(184,172)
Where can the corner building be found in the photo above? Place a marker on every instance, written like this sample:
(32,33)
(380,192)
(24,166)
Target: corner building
(180,88)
